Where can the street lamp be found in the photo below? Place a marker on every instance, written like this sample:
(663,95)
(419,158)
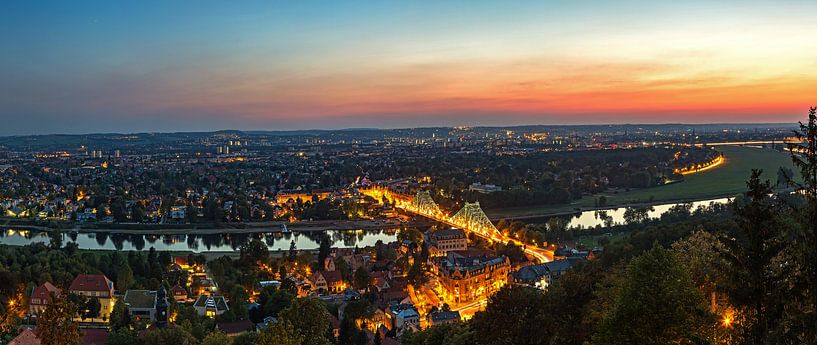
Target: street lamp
(727,321)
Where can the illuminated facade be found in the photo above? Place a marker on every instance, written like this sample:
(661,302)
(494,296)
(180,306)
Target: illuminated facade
(95,286)
(470,278)
(443,241)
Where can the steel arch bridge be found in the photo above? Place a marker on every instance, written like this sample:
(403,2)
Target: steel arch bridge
(470,217)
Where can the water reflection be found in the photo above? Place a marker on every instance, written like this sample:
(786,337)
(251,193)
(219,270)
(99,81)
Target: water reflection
(613,216)
(203,243)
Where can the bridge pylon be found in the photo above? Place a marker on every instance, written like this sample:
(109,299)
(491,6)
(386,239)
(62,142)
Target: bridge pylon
(423,203)
(472,218)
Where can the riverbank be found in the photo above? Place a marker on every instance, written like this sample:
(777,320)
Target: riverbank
(247,228)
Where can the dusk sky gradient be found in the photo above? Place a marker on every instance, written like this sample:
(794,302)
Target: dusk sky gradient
(132,66)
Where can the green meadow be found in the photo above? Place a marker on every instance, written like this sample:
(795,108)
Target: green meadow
(726,180)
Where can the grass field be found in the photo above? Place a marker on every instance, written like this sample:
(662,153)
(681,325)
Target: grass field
(726,180)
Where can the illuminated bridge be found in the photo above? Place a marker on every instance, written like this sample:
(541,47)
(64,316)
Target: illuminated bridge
(470,218)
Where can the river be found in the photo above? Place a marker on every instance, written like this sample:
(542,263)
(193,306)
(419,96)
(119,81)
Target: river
(591,219)
(202,243)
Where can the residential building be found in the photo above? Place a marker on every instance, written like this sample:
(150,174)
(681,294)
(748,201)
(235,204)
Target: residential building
(543,275)
(466,278)
(26,337)
(95,286)
(484,188)
(178,212)
(41,297)
(441,317)
(179,293)
(328,281)
(141,304)
(441,242)
(402,316)
(211,306)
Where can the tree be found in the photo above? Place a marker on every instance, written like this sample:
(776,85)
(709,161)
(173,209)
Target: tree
(293,251)
(508,316)
(512,251)
(169,335)
(344,269)
(310,318)
(55,326)
(349,333)
(362,279)
(751,257)
(254,251)
(416,274)
(702,253)
(635,215)
(410,234)
(92,308)
(191,213)
(118,210)
(804,157)
(677,212)
(248,338)
(55,239)
(325,247)
(216,338)
(124,277)
(123,336)
(138,213)
(280,333)
(11,300)
(274,301)
(656,302)
(120,316)
(449,333)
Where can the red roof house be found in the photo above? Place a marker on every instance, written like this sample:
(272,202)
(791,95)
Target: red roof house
(41,297)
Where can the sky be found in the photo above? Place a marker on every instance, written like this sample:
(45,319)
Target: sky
(131,66)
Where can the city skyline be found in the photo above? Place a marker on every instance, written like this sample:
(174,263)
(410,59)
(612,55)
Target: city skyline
(159,67)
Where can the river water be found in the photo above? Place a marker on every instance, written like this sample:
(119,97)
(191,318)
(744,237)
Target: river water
(202,243)
(591,219)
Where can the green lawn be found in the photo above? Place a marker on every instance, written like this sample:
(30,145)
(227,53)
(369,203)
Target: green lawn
(726,180)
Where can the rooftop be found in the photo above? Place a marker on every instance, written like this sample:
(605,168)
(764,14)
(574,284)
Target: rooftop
(140,299)
(91,282)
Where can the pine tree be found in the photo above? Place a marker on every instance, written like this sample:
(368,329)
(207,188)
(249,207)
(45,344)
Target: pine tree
(750,255)
(804,297)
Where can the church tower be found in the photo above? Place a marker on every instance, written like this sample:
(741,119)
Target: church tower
(161,307)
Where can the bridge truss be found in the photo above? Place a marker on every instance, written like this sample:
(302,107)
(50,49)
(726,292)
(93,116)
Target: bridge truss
(423,203)
(471,218)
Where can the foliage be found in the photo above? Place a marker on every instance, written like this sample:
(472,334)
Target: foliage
(280,333)
(655,303)
(362,278)
(453,333)
(310,319)
(55,325)
(169,335)
(216,338)
(500,323)
(637,214)
(753,274)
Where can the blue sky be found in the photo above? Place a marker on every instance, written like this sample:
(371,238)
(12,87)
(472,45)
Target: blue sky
(91,66)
